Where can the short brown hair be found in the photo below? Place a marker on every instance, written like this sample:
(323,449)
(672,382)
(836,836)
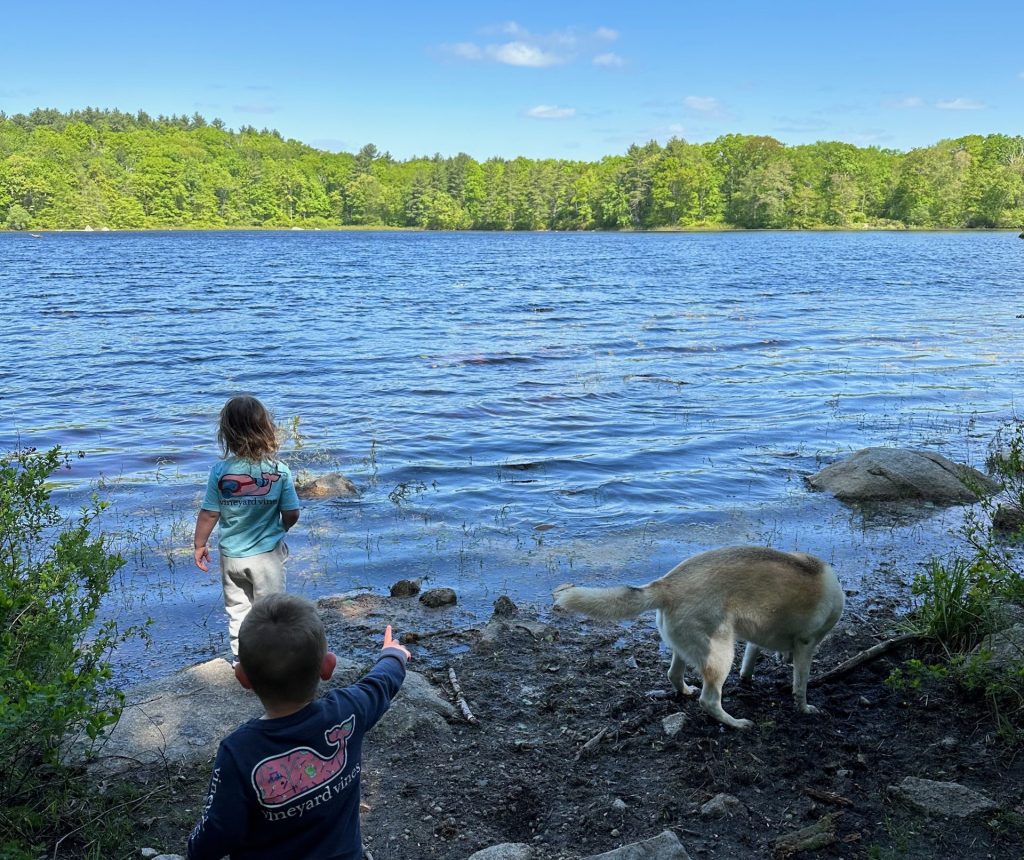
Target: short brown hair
(247,429)
(281,646)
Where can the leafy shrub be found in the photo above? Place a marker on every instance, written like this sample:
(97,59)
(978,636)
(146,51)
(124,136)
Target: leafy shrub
(55,678)
(962,599)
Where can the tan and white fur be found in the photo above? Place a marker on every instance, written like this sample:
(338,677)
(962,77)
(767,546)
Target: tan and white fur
(772,600)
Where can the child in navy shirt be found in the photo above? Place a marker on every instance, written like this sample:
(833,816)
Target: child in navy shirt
(286,785)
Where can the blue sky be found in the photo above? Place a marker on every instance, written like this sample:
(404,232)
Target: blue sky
(568,79)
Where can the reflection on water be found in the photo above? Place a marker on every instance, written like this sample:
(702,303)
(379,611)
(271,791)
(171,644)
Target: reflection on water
(516,410)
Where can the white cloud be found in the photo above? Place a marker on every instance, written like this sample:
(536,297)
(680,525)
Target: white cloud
(960,104)
(908,103)
(704,104)
(466,51)
(609,60)
(534,50)
(522,54)
(551,112)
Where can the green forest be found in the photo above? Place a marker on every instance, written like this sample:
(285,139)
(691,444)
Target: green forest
(107,168)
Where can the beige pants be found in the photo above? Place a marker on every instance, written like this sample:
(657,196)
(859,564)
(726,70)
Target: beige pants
(248,579)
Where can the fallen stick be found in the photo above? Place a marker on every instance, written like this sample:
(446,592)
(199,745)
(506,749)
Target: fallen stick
(593,742)
(460,699)
(828,797)
(872,653)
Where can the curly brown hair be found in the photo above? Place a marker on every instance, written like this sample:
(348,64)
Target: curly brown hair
(247,429)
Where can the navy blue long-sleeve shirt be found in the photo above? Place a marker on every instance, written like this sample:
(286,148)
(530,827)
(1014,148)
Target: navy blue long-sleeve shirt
(289,787)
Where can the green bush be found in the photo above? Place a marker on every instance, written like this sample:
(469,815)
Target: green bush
(55,678)
(963,598)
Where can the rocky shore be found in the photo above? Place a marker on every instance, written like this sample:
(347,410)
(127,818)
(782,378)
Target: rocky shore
(575,750)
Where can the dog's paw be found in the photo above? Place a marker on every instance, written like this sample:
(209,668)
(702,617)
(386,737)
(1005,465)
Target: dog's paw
(743,724)
(565,586)
(810,709)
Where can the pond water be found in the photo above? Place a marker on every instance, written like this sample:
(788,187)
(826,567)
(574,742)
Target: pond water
(517,410)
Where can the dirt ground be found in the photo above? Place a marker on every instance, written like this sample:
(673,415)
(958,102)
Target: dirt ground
(572,757)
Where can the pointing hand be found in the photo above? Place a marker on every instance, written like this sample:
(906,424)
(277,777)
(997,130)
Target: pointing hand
(391,642)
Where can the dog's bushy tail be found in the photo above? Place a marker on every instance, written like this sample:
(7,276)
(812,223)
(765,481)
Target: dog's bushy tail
(621,601)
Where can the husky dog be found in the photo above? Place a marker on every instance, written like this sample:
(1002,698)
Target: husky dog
(779,601)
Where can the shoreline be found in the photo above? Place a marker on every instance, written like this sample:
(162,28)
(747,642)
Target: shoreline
(370,228)
(577,757)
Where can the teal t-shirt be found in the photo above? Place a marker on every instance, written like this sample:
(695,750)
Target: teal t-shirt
(249,498)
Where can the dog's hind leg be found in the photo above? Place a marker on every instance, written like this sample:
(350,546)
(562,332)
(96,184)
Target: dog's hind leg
(750,656)
(803,651)
(715,670)
(675,675)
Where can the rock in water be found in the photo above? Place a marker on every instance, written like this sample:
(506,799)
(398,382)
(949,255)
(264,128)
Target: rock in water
(332,485)
(436,597)
(902,474)
(405,588)
(504,607)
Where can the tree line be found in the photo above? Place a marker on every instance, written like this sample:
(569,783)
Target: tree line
(108,168)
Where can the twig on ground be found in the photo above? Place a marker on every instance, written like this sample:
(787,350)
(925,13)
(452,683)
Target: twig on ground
(460,699)
(872,653)
(132,802)
(828,797)
(413,636)
(593,742)
(660,694)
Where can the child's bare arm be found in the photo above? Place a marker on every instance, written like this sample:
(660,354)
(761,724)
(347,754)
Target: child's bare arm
(201,542)
(289,518)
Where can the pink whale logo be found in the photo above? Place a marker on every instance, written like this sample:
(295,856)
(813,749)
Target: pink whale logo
(246,485)
(281,779)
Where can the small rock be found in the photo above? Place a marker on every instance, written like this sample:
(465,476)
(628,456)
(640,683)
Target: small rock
(949,743)
(406,588)
(673,723)
(504,851)
(665,846)
(811,838)
(1008,518)
(149,852)
(1002,650)
(436,597)
(504,607)
(332,485)
(721,806)
(631,662)
(619,805)
(943,798)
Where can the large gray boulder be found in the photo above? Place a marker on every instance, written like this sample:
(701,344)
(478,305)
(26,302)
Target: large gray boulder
(1002,650)
(181,719)
(902,474)
(504,851)
(948,799)
(664,846)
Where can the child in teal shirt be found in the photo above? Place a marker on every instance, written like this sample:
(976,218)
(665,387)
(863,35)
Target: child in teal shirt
(251,495)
